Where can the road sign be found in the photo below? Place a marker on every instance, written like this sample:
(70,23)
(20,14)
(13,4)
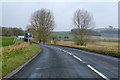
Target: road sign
(28,36)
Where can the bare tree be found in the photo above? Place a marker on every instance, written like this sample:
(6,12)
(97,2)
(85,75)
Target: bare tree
(42,24)
(82,21)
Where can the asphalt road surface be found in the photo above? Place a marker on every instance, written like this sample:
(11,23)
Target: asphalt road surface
(63,62)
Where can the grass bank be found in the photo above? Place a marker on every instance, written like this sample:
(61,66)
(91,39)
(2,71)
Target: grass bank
(17,54)
(106,48)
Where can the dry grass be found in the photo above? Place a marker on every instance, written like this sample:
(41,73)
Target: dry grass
(106,46)
(17,45)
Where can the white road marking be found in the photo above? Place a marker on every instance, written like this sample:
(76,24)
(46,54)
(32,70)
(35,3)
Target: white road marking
(63,50)
(98,72)
(59,48)
(37,68)
(69,53)
(78,58)
(83,61)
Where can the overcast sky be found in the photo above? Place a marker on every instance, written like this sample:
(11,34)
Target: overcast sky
(18,14)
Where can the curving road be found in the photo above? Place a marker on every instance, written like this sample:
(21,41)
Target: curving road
(63,62)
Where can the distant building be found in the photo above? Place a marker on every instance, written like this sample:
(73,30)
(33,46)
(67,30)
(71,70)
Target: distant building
(20,38)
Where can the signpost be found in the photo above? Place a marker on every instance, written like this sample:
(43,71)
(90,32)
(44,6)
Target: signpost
(28,36)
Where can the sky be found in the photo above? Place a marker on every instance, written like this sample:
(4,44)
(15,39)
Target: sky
(18,14)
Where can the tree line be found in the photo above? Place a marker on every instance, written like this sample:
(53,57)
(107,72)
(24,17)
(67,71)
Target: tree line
(11,31)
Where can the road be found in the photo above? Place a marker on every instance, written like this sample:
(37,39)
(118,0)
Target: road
(64,62)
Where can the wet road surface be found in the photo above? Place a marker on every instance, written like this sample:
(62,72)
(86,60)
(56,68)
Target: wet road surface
(63,62)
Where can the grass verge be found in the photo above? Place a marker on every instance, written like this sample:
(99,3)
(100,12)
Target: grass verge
(16,55)
(98,51)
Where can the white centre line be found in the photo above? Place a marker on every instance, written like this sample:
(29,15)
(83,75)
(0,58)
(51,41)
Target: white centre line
(69,53)
(63,50)
(78,58)
(98,72)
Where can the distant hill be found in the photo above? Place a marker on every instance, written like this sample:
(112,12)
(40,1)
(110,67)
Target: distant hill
(92,32)
(103,32)
(107,30)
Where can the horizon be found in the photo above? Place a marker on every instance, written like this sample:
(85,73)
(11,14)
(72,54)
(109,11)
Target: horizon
(63,30)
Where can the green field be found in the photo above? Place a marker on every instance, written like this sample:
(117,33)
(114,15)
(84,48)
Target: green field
(110,35)
(6,41)
(63,35)
(70,36)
